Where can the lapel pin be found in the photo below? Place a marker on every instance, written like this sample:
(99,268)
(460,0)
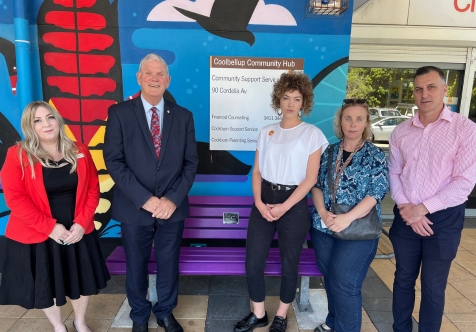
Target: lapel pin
(168,111)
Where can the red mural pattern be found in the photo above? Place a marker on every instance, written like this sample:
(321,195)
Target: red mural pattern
(84,82)
(82,77)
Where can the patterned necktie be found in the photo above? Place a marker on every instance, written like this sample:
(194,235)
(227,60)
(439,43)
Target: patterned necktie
(155,130)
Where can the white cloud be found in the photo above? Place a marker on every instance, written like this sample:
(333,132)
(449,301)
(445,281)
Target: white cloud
(165,10)
(271,15)
(263,14)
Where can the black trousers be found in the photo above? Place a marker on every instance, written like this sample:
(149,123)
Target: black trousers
(433,255)
(292,229)
(137,242)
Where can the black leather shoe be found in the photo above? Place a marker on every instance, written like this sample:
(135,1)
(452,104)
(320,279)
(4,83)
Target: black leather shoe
(250,322)
(170,324)
(136,327)
(279,324)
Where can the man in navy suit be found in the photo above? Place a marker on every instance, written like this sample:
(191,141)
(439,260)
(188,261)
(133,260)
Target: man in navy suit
(153,176)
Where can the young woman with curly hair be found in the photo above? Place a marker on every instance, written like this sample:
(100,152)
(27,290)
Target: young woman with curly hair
(285,169)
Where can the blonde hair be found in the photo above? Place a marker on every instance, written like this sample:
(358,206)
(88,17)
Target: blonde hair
(31,144)
(366,134)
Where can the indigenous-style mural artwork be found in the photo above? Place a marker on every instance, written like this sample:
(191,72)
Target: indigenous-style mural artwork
(87,52)
(8,111)
(81,75)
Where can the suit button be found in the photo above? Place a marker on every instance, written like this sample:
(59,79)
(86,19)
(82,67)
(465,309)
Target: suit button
(158,169)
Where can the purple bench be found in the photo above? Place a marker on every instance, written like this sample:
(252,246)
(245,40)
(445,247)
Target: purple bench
(223,217)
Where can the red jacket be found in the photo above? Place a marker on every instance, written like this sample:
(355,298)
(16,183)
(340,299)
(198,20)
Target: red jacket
(30,219)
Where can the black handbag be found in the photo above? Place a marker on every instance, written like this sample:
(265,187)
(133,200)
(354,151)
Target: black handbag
(365,228)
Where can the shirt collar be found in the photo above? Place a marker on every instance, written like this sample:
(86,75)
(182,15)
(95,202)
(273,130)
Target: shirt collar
(444,115)
(148,106)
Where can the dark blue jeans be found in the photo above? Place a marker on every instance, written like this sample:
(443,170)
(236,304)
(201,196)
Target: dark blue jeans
(344,265)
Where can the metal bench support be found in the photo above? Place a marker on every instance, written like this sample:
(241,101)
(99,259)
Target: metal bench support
(152,292)
(302,295)
(385,256)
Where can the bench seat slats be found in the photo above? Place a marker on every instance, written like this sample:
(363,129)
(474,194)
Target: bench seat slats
(221,200)
(232,233)
(239,234)
(239,269)
(218,261)
(306,254)
(230,269)
(217,211)
(214,233)
(214,223)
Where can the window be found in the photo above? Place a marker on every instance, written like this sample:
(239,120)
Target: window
(390,113)
(328,7)
(389,122)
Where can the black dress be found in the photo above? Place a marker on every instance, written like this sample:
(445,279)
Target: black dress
(35,274)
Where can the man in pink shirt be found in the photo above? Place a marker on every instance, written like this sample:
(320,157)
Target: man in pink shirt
(432,166)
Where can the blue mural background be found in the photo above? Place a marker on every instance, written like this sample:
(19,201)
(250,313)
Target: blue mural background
(322,41)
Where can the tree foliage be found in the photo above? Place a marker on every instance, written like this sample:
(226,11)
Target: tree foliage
(373,83)
(472,107)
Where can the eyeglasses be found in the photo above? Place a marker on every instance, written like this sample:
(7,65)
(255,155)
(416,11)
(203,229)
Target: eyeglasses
(354,101)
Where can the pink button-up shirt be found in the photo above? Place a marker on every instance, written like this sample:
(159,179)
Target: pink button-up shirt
(434,165)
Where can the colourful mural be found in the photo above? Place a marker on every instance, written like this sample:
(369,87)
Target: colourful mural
(86,54)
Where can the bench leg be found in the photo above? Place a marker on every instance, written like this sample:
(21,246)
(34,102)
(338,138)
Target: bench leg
(302,296)
(385,256)
(152,293)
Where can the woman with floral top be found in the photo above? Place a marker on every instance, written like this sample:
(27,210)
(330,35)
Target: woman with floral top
(360,178)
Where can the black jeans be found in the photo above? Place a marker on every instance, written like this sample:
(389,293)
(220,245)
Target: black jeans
(292,229)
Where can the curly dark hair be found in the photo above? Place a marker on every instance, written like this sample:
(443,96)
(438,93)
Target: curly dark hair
(292,81)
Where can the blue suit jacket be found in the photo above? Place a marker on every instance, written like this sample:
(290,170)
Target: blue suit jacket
(133,165)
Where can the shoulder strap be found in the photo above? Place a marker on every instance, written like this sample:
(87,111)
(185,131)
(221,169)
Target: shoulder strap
(329,166)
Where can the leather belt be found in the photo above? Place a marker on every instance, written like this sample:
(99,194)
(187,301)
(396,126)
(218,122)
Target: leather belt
(277,186)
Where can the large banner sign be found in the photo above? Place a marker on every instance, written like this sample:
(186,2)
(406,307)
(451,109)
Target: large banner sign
(240,90)
(455,13)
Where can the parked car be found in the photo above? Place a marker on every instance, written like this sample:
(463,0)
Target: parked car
(407,109)
(383,127)
(382,112)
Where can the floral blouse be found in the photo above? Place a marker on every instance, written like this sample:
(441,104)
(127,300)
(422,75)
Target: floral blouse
(367,175)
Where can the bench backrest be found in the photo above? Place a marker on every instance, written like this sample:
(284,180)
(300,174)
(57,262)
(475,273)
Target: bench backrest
(206,219)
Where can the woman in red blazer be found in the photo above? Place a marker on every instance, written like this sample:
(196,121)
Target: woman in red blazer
(51,186)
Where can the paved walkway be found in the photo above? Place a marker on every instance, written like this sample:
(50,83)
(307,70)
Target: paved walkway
(214,304)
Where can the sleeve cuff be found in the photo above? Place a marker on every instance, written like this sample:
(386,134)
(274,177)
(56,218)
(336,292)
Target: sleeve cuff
(49,228)
(434,204)
(400,199)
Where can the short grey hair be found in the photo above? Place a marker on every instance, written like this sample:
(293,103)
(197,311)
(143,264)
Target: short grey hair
(153,57)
